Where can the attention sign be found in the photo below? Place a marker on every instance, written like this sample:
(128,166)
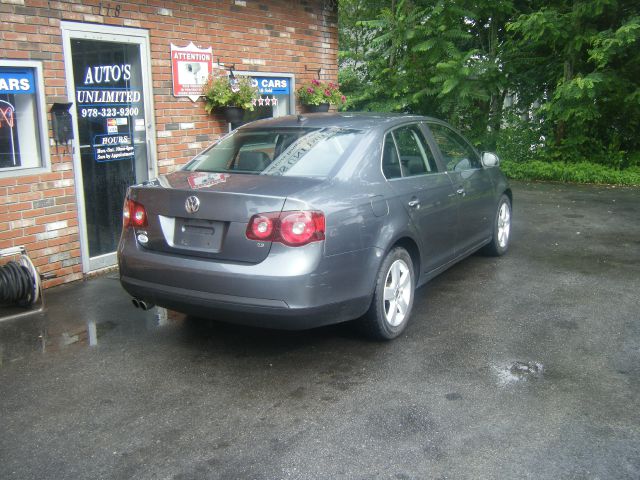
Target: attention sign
(190,69)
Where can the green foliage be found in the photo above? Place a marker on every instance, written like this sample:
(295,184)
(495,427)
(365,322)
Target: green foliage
(317,92)
(585,91)
(553,80)
(520,140)
(582,172)
(221,91)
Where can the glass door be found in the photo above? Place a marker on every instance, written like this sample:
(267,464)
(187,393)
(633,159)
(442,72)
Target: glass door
(109,77)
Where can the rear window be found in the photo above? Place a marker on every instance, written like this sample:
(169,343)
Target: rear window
(297,152)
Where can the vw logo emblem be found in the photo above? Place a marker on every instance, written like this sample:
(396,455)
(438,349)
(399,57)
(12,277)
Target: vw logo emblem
(192,204)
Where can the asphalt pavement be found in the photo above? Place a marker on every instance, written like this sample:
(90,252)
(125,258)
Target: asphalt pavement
(525,366)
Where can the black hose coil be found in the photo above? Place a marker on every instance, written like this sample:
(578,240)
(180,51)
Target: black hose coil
(17,284)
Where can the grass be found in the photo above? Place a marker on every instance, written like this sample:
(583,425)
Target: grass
(581,172)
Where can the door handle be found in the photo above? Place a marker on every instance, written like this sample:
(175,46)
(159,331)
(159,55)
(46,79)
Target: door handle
(461,191)
(414,203)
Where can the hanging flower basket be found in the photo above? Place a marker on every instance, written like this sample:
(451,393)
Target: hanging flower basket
(229,96)
(232,114)
(316,95)
(323,107)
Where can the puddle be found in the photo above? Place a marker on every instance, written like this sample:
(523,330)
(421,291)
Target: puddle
(39,334)
(518,372)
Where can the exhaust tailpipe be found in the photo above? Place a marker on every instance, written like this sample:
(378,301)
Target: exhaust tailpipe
(144,305)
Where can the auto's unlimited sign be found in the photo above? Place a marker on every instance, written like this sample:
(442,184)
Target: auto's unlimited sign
(190,69)
(106,100)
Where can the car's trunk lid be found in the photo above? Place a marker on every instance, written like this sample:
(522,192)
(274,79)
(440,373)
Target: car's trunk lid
(206,214)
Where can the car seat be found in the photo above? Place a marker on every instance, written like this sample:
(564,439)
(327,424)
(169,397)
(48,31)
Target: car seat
(252,161)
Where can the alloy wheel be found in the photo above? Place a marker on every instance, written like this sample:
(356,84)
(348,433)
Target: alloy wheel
(504,224)
(397,293)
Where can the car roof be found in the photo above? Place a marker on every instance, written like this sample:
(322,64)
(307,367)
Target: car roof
(355,120)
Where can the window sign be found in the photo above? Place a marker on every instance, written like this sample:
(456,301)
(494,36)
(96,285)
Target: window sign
(16,80)
(22,118)
(272,85)
(110,113)
(276,96)
(106,96)
(190,69)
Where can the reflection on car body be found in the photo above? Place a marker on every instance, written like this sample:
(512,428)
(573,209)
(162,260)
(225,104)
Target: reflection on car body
(303,221)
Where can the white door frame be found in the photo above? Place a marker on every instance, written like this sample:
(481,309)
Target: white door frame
(75,30)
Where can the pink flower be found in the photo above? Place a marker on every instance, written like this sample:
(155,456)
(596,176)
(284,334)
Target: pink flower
(310,90)
(315,82)
(327,93)
(343,98)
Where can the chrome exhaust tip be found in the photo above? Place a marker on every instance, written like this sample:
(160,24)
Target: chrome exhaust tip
(135,302)
(144,305)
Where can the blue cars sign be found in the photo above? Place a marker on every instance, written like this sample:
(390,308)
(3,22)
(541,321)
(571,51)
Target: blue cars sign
(273,85)
(16,80)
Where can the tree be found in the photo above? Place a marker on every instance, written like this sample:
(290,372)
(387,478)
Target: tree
(439,58)
(570,69)
(586,80)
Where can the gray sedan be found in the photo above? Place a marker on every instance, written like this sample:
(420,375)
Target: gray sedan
(302,221)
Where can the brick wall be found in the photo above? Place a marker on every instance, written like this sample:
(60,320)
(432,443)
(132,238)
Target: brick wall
(296,36)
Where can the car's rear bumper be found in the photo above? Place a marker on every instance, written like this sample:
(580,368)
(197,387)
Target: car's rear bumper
(244,310)
(293,288)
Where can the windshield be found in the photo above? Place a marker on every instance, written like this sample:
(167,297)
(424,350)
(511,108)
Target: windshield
(298,152)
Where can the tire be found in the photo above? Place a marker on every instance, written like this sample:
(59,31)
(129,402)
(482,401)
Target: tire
(501,229)
(388,317)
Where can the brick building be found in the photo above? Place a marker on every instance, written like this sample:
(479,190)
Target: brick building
(102,73)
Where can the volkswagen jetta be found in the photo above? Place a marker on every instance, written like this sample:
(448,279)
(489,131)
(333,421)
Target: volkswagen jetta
(302,221)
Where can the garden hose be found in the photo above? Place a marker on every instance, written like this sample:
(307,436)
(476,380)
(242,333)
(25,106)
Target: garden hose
(19,283)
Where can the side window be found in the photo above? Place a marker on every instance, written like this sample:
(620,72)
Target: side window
(415,156)
(458,154)
(406,154)
(390,160)
(23,119)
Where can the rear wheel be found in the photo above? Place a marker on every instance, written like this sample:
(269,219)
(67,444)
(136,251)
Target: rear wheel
(393,297)
(501,229)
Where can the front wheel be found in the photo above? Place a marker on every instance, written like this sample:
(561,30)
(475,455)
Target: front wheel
(392,300)
(501,229)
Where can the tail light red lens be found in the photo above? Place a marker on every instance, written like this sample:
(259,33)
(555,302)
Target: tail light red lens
(300,228)
(133,214)
(261,226)
(294,228)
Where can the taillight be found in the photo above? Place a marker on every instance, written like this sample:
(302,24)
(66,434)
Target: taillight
(133,214)
(294,229)
(300,228)
(261,226)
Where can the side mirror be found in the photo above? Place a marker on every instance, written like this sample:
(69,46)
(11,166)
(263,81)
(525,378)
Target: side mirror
(462,165)
(490,159)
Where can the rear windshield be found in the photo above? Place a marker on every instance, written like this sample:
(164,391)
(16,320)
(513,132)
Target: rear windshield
(297,152)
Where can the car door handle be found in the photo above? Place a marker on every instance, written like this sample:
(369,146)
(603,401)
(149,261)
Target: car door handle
(461,191)
(414,203)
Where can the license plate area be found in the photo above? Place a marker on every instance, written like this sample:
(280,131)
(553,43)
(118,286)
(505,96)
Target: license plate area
(197,234)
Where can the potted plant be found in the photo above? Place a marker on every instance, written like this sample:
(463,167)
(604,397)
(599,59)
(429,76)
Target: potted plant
(229,95)
(317,95)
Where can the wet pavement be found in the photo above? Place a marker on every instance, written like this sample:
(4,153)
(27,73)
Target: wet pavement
(527,366)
